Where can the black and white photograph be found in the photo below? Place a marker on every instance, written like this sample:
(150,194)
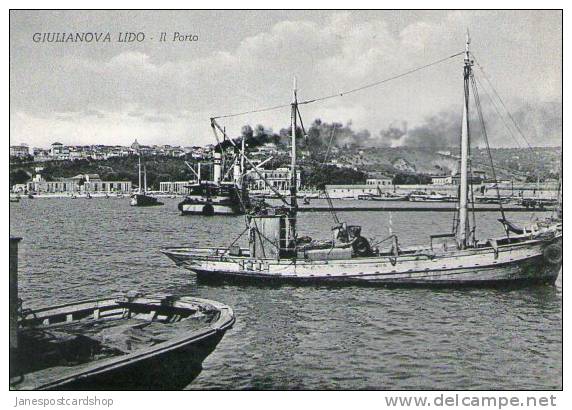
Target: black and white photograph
(287,200)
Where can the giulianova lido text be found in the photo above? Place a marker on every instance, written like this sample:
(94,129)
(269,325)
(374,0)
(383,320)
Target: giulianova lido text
(88,37)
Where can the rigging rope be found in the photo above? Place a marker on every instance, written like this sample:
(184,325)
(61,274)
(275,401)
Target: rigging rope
(485,137)
(395,77)
(342,93)
(329,144)
(503,104)
(330,204)
(497,110)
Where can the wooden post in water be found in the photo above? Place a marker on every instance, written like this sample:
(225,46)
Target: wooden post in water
(13,290)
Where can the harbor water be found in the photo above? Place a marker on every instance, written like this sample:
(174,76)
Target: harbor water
(301,337)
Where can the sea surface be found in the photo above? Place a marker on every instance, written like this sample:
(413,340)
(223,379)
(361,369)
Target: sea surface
(301,337)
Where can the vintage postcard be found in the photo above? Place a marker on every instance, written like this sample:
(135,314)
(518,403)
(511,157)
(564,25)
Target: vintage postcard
(287,200)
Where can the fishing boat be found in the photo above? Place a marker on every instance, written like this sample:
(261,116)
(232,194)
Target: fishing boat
(208,198)
(492,200)
(390,196)
(382,196)
(221,196)
(431,197)
(537,203)
(276,253)
(142,198)
(127,342)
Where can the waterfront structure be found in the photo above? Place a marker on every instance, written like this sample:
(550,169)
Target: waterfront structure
(441,179)
(175,187)
(83,183)
(351,191)
(279,179)
(378,179)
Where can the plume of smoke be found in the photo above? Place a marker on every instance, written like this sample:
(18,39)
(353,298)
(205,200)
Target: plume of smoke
(438,131)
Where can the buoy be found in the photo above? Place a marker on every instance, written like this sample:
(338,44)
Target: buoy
(553,254)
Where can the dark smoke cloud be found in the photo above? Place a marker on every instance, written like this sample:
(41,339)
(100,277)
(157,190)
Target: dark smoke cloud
(540,123)
(439,131)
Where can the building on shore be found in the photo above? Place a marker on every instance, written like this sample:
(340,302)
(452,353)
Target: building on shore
(441,179)
(377,179)
(279,179)
(475,177)
(83,183)
(351,191)
(175,187)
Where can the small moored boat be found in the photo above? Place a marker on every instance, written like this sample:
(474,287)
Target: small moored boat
(124,343)
(127,342)
(142,198)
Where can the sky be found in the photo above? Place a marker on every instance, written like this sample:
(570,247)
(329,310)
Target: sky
(164,92)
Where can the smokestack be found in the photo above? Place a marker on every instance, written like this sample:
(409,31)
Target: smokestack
(236,172)
(217,167)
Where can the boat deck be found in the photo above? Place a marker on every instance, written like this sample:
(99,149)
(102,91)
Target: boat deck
(66,343)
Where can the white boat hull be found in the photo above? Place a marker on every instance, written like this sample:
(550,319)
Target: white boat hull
(522,262)
(199,209)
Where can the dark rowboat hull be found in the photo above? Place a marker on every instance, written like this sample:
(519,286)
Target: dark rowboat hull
(164,357)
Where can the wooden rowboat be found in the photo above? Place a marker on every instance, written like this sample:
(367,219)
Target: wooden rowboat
(126,343)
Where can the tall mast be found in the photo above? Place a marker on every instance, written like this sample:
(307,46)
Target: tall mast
(242,145)
(145,179)
(139,172)
(463,230)
(293,203)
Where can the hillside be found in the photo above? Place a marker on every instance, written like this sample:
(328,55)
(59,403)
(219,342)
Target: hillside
(508,161)
(346,165)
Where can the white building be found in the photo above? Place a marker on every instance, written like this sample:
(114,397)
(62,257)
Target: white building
(82,183)
(442,180)
(351,191)
(378,180)
(21,150)
(277,178)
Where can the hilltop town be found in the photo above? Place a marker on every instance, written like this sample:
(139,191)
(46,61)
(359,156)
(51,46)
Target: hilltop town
(345,164)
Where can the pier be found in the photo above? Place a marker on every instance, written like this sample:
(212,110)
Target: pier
(414,209)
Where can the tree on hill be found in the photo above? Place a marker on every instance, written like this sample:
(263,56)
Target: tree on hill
(320,176)
(19,177)
(411,179)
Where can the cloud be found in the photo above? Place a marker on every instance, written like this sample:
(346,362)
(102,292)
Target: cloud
(120,93)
